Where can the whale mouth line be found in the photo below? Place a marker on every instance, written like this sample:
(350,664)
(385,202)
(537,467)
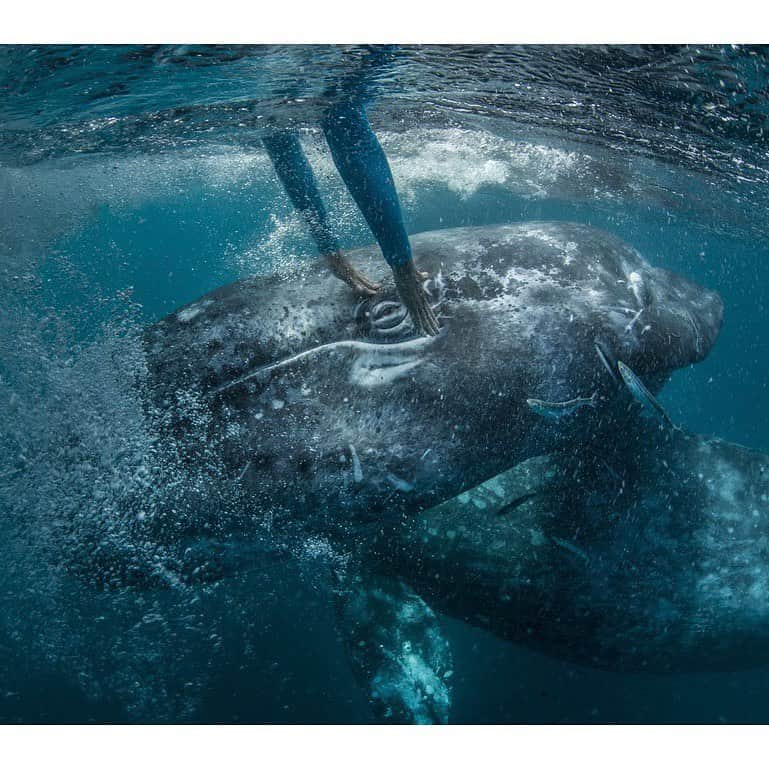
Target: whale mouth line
(383,349)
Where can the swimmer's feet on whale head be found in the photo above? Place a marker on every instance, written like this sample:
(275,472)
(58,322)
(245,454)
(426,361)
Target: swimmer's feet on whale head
(408,281)
(343,270)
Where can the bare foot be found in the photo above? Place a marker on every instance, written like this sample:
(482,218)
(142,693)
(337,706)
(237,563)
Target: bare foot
(408,281)
(346,272)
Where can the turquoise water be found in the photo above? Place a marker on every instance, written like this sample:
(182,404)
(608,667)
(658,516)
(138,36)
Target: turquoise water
(132,181)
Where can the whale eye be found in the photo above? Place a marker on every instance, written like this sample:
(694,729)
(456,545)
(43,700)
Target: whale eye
(386,316)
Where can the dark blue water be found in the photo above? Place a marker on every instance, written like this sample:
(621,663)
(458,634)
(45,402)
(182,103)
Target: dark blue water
(132,181)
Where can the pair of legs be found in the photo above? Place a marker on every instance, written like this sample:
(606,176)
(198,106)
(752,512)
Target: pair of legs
(364,169)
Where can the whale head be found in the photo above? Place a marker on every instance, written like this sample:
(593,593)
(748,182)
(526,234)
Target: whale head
(543,308)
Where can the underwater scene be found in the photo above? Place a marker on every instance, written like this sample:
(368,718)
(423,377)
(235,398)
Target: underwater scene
(384,384)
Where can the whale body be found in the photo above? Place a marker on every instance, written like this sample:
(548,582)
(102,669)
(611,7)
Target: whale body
(321,412)
(327,410)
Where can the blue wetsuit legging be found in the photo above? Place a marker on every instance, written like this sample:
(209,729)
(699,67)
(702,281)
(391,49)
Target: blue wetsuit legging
(363,167)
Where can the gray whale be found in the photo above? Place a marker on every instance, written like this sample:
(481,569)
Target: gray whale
(327,411)
(324,414)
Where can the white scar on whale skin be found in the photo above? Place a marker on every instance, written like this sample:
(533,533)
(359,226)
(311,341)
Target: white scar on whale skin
(188,313)
(367,373)
(357,471)
(635,284)
(633,321)
(371,371)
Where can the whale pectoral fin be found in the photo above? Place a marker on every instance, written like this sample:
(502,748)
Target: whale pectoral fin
(396,648)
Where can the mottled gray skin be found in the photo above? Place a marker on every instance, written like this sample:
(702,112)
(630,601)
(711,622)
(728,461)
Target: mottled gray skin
(381,424)
(649,553)
(396,647)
